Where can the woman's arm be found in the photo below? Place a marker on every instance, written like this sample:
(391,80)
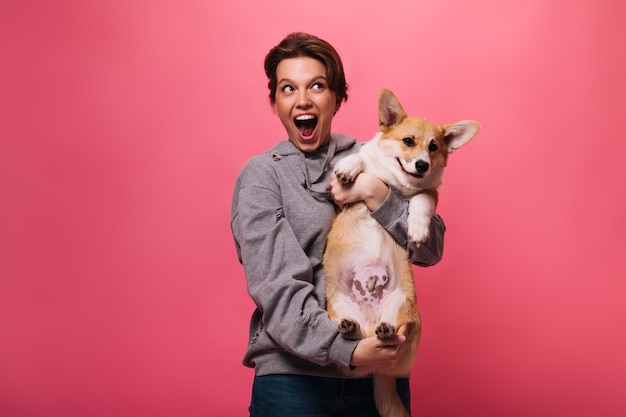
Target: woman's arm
(279,272)
(391,211)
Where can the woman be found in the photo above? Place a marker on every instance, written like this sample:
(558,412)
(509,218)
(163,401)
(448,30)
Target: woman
(281,213)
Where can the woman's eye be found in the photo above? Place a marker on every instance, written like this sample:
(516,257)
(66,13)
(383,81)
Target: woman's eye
(287,89)
(318,86)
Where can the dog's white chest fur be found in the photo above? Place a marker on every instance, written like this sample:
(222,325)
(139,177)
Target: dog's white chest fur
(372,160)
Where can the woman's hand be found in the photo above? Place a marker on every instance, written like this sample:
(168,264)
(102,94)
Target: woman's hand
(377,353)
(365,187)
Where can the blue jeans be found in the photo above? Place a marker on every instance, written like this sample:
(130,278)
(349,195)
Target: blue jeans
(311,396)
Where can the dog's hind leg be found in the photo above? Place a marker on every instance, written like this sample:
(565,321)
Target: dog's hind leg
(389,319)
(348,315)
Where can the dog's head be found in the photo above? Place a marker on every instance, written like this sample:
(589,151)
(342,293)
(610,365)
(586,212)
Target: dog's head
(419,147)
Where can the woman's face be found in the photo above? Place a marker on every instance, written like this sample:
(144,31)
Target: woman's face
(304,103)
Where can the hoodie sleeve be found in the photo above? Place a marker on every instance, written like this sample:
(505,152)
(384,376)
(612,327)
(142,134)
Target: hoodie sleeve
(392,215)
(279,273)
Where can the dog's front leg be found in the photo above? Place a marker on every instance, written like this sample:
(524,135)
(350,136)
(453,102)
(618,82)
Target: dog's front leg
(421,210)
(349,167)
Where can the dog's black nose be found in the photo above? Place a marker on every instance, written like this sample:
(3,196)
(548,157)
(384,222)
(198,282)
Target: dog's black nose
(421,166)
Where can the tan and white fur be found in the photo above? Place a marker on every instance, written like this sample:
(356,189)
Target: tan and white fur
(369,279)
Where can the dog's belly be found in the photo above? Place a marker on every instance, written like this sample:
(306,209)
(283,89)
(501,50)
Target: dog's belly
(365,258)
(364,245)
(369,284)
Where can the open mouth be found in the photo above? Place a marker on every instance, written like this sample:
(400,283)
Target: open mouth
(412,174)
(306,125)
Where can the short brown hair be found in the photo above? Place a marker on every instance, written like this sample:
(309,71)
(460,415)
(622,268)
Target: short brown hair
(299,44)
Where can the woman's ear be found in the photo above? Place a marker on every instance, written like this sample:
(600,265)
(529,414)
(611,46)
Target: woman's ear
(337,106)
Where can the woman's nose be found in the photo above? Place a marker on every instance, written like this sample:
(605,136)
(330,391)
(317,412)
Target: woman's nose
(303,99)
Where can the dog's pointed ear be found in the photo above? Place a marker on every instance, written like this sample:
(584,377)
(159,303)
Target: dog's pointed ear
(390,111)
(458,134)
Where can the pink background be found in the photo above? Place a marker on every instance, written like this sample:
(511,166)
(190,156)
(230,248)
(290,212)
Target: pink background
(124,124)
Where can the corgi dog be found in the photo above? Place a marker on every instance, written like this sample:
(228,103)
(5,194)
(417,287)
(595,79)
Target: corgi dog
(369,277)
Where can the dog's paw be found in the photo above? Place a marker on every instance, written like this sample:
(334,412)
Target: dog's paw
(348,168)
(349,328)
(421,210)
(419,231)
(346,176)
(385,330)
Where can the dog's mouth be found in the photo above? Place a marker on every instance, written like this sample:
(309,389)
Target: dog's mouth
(412,174)
(306,124)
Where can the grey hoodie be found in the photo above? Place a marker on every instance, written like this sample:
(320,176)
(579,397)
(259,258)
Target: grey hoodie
(281,214)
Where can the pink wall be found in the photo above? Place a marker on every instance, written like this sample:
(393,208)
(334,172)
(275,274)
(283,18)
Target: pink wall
(124,124)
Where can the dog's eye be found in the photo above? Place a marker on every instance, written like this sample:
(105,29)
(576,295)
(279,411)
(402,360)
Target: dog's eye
(408,141)
(432,147)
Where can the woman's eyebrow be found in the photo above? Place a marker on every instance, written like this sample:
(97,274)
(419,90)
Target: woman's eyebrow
(316,78)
